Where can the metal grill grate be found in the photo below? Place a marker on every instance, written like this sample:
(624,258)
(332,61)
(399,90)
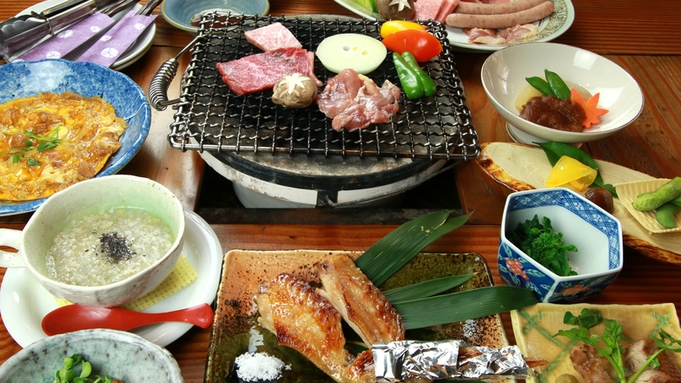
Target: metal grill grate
(210,117)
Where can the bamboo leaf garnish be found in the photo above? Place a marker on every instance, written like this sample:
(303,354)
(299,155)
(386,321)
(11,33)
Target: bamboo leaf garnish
(464,305)
(426,289)
(401,245)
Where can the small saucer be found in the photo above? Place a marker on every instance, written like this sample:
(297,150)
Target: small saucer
(521,137)
(24,302)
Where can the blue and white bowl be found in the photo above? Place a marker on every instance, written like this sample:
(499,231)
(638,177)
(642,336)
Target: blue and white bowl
(596,234)
(27,79)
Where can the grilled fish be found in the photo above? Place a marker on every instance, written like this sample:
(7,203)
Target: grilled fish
(360,303)
(305,321)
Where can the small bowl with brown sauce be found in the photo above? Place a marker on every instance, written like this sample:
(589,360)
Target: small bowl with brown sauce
(537,118)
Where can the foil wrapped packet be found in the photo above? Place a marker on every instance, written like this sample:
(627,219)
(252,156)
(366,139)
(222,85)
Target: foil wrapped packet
(447,359)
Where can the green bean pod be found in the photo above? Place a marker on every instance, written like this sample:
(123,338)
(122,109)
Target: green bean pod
(653,200)
(558,86)
(665,215)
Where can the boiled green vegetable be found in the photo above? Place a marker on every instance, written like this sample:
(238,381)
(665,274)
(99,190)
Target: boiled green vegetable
(540,84)
(558,86)
(543,244)
(665,215)
(78,370)
(665,193)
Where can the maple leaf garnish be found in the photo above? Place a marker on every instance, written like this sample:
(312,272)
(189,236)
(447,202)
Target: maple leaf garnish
(591,110)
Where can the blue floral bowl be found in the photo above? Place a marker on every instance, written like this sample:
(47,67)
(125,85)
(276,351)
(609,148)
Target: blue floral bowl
(27,79)
(596,234)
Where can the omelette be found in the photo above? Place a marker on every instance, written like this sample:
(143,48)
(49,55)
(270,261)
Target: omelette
(51,141)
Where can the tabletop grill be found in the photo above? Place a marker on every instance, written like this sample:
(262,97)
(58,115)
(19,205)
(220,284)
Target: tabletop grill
(209,117)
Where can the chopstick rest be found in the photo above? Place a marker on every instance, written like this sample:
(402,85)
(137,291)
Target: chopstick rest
(68,40)
(117,40)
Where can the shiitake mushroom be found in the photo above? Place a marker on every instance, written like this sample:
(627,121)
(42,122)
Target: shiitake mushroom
(395,9)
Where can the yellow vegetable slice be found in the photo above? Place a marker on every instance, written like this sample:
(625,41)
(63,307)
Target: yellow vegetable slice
(351,51)
(569,172)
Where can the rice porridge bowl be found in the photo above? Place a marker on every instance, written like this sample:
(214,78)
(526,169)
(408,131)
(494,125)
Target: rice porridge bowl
(107,247)
(102,242)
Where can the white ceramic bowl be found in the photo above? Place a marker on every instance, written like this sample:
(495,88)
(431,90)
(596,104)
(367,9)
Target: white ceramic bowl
(596,234)
(179,13)
(117,354)
(504,72)
(85,198)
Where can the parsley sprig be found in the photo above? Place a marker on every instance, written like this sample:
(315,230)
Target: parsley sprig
(609,345)
(34,141)
(78,370)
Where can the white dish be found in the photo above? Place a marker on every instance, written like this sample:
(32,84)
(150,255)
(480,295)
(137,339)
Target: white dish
(24,302)
(504,75)
(139,48)
(549,28)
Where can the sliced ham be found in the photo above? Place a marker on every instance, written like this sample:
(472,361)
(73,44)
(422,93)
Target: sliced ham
(272,37)
(262,70)
(354,101)
(446,8)
(426,9)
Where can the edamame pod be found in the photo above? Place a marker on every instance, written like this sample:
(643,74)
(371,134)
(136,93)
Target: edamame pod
(663,194)
(665,215)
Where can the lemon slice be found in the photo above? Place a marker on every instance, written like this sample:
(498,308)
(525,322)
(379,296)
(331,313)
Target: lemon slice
(569,172)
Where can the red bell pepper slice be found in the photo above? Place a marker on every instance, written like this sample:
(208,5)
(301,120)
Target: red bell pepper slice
(423,45)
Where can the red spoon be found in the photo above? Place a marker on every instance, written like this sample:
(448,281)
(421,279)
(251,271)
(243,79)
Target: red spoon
(76,317)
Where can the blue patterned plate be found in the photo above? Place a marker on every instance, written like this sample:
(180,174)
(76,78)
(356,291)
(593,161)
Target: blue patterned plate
(25,79)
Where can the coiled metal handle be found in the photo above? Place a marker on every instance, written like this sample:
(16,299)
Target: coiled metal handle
(158,89)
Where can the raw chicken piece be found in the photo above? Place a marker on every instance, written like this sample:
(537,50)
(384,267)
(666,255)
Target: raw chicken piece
(360,303)
(484,36)
(354,101)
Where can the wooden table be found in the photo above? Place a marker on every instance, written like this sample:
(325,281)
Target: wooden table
(642,39)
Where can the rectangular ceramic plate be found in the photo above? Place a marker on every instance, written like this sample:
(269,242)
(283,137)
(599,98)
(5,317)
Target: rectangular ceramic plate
(535,326)
(236,313)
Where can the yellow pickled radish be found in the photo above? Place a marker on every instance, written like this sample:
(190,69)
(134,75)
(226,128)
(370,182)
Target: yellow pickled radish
(569,172)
